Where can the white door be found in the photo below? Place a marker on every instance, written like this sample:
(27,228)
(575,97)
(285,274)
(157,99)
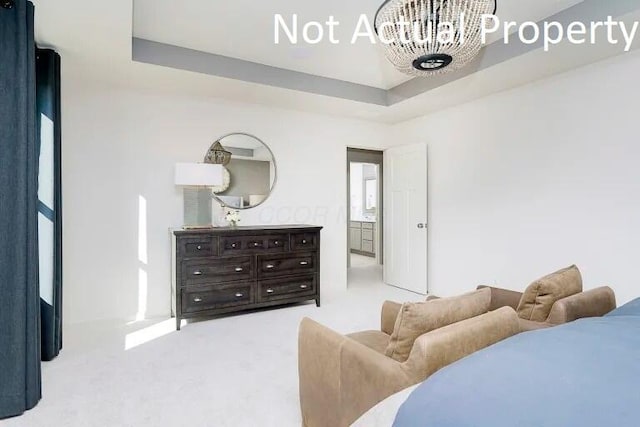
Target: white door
(405,209)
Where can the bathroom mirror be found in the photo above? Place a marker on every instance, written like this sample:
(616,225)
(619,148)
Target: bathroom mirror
(250,170)
(371,195)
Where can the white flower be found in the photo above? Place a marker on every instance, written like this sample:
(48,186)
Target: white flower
(233,216)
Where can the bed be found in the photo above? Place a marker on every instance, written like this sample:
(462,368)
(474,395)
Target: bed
(384,413)
(585,373)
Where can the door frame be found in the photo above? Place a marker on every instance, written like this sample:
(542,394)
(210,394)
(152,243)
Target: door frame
(376,157)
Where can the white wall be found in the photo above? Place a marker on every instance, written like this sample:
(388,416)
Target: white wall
(537,178)
(521,183)
(120,148)
(357,190)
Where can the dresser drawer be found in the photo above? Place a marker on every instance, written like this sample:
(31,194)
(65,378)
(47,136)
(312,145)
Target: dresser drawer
(233,245)
(290,287)
(367,234)
(197,246)
(304,241)
(286,264)
(195,272)
(206,298)
(367,225)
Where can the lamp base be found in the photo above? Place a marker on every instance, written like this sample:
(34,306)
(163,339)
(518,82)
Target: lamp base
(197,208)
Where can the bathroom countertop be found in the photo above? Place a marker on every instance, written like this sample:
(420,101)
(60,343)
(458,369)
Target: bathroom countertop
(373,221)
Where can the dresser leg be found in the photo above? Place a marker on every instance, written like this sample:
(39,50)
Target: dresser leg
(318,302)
(178,321)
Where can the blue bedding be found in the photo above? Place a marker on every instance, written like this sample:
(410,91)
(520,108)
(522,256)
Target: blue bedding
(585,373)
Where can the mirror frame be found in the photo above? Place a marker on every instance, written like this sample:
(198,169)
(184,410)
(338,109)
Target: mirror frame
(275,172)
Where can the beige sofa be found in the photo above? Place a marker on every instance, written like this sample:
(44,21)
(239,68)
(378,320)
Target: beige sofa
(554,299)
(343,376)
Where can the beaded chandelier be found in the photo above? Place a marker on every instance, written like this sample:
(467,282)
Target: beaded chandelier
(427,37)
(217,155)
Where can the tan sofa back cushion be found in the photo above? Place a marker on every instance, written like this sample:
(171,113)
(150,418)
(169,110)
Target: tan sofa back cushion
(416,319)
(540,296)
(444,346)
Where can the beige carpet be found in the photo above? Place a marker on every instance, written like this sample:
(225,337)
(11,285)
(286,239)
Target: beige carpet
(234,371)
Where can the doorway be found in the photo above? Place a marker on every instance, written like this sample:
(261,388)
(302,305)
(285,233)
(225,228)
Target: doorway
(365,213)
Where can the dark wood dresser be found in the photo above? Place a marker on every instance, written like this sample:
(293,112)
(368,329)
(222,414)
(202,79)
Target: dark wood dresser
(224,270)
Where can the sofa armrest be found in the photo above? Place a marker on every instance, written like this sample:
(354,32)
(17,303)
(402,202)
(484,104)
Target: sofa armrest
(341,379)
(503,298)
(593,303)
(389,315)
(367,378)
(319,373)
(442,347)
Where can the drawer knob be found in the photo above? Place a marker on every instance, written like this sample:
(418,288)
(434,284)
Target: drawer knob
(199,247)
(239,269)
(303,286)
(256,244)
(234,245)
(197,299)
(277,243)
(304,242)
(270,291)
(197,273)
(304,263)
(270,266)
(239,295)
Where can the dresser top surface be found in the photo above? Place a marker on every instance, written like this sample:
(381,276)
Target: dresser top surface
(254,228)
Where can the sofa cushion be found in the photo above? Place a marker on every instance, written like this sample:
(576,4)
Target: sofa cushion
(540,296)
(416,319)
(529,325)
(375,340)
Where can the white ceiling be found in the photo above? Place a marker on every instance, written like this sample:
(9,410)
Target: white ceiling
(95,41)
(244,29)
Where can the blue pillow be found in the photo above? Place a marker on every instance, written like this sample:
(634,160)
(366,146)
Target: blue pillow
(629,309)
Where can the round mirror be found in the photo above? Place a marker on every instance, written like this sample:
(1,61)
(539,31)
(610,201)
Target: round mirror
(250,170)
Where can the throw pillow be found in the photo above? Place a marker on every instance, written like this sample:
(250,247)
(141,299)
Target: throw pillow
(540,296)
(415,319)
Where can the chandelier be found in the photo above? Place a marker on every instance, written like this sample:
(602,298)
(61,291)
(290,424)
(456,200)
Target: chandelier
(217,155)
(427,37)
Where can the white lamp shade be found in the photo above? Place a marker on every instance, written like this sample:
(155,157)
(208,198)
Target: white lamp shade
(198,175)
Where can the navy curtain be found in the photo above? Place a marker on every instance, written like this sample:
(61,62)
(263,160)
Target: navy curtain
(19,269)
(50,200)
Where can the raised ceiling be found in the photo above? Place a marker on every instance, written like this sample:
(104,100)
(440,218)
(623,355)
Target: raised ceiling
(244,29)
(95,39)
